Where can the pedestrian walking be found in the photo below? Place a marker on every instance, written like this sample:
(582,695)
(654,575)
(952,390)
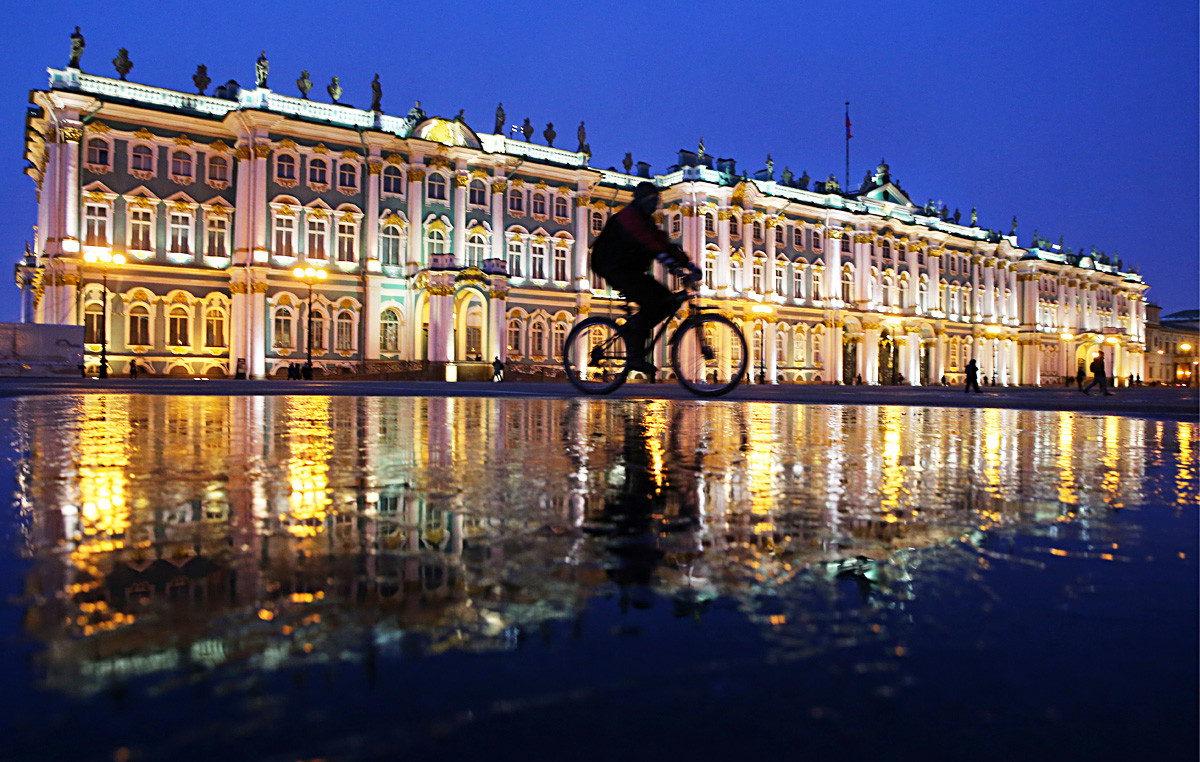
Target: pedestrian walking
(133,369)
(1099,375)
(972,377)
(1079,376)
(497,370)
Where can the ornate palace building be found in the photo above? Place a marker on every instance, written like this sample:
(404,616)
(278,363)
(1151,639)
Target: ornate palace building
(445,247)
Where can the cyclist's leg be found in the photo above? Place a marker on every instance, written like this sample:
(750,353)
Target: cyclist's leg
(655,304)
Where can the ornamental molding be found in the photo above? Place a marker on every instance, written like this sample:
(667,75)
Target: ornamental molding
(440,290)
(374,168)
(497,294)
(541,185)
(71,134)
(863,238)
(462,181)
(394,159)
(242,152)
(394,219)
(98,127)
(724,214)
(287,144)
(218,146)
(416,175)
(143,134)
(317,213)
(834,234)
(320,148)
(688,211)
(262,151)
(183,140)
(258,288)
(349,155)
(498,186)
(581,201)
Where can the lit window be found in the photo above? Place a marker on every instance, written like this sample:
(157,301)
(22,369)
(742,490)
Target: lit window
(283,329)
(514,338)
(558,338)
(561,209)
(97,152)
(537,340)
(179,233)
(177,327)
(139,326)
(318,232)
(344,332)
(218,169)
(217,236)
(389,332)
(476,244)
(95,225)
(515,253)
(141,223)
(516,202)
(285,236)
(346,233)
(214,328)
(347,175)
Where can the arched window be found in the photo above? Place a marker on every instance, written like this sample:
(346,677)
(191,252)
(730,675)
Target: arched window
(781,347)
(847,286)
(435,242)
(887,290)
(735,274)
(539,203)
(780,274)
(142,159)
(816,240)
(218,169)
(344,332)
(437,187)
(597,221)
(347,175)
(97,152)
(710,224)
(214,328)
(537,340)
(516,252)
(735,226)
(139,326)
(285,235)
(756,276)
(283,329)
(514,337)
(476,245)
(798,272)
(779,235)
(181,165)
(887,249)
(558,337)
(318,172)
(710,271)
(818,335)
(285,167)
(799,343)
(318,330)
(846,241)
(93,326)
(389,245)
(393,181)
(516,201)
(177,327)
(923,296)
(676,224)
(477,193)
(389,332)
(757,230)
(561,210)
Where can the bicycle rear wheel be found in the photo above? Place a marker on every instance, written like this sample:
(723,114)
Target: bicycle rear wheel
(594,356)
(709,355)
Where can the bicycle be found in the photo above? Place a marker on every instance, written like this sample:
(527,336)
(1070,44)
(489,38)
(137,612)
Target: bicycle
(707,351)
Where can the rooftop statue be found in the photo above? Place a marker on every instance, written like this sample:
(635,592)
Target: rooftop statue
(627,162)
(957,216)
(77,46)
(461,117)
(200,79)
(499,127)
(1014,226)
(787,176)
(770,166)
(122,63)
(831,185)
(527,129)
(974,217)
(334,89)
(261,68)
(700,152)
(581,133)
(376,94)
(549,134)
(304,84)
(804,180)
(416,113)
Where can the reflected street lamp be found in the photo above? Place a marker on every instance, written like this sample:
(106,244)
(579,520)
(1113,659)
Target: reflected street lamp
(764,310)
(104,259)
(309,275)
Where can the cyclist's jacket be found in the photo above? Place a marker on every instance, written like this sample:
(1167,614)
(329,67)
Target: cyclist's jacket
(629,242)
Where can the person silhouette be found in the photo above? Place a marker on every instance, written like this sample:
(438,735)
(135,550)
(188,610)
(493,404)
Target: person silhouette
(972,377)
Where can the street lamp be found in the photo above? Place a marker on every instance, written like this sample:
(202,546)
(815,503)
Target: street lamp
(104,259)
(764,310)
(309,275)
(894,325)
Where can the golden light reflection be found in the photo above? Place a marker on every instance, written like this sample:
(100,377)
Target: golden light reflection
(992,433)
(1186,476)
(657,419)
(760,459)
(310,441)
(1065,459)
(894,473)
(103,448)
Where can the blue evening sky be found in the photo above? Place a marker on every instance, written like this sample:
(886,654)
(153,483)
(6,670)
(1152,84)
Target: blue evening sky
(1079,118)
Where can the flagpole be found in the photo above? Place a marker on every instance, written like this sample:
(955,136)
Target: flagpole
(848,146)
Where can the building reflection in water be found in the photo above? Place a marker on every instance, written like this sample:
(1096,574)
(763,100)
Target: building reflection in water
(174,532)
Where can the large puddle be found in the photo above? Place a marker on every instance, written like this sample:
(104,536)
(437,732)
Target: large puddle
(295,578)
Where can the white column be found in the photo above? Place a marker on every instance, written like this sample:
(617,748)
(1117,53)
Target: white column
(372,311)
(582,282)
(498,321)
(769,263)
(416,225)
(769,334)
(870,354)
(721,276)
(461,181)
(934,259)
(371,238)
(499,248)
(989,291)
(257,365)
(258,224)
(913,344)
(831,279)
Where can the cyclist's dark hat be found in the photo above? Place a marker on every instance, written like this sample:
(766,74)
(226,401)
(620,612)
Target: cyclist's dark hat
(644,190)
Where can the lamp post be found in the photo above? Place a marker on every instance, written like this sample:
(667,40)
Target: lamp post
(893,325)
(763,310)
(309,275)
(993,331)
(104,259)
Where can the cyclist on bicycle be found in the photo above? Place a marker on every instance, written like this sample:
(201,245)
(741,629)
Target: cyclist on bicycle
(622,255)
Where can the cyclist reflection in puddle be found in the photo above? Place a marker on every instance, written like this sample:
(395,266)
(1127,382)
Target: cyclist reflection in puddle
(648,523)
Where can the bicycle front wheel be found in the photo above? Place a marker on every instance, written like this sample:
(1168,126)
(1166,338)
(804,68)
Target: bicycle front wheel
(594,356)
(709,355)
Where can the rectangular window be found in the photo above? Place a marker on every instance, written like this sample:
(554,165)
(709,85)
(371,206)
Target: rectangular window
(285,236)
(95,225)
(318,231)
(345,238)
(216,236)
(283,330)
(538,264)
(179,233)
(597,222)
(177,328)
(798,237)
(214,329)
(779,235)
(141,222)
(345,333)
(560,264)
(514,258)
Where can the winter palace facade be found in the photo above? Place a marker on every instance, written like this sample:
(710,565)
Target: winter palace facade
(443,248)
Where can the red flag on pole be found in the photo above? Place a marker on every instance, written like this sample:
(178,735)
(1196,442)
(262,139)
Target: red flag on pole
(848,135)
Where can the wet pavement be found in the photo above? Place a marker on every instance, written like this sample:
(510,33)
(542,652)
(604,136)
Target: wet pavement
(514,572)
